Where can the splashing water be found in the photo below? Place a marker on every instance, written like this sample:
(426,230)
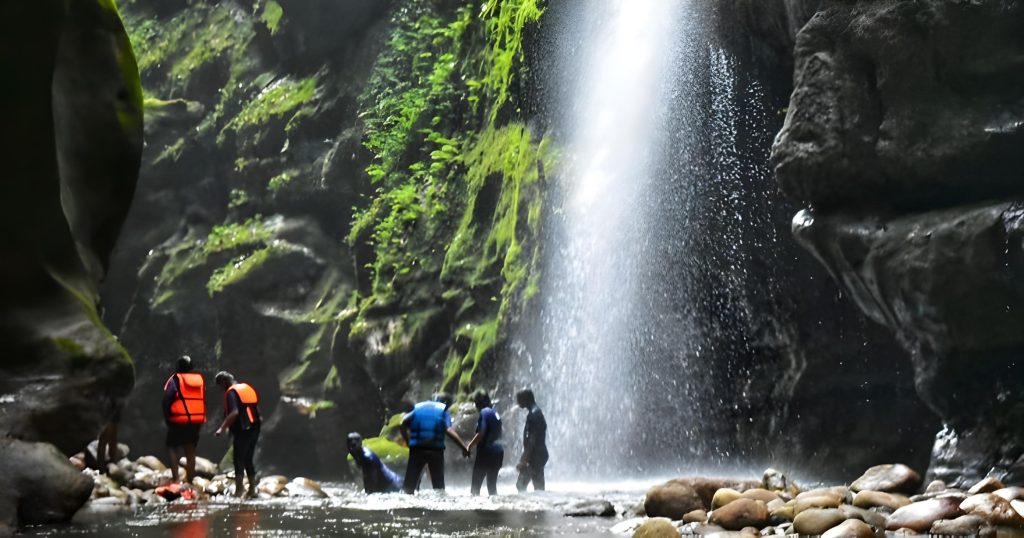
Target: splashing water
(648,239)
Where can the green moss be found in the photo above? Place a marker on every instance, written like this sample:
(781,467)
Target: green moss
(237,269)
(271,16)
(253,231)
(277,182)
(285,98)
(390,452)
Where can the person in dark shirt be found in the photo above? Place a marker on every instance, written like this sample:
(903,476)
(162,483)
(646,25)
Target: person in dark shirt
(242,418)
(377,478)
(490,454)
(535,450)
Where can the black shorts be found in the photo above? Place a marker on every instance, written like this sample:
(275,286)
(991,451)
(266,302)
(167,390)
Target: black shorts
(182,434)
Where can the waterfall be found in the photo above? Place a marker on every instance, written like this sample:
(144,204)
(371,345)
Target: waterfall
(646,256)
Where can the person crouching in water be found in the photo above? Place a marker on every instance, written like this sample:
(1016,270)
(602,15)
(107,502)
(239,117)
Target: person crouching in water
(184,406)
(377,478)
(424,430)
(242,418)
(489,454)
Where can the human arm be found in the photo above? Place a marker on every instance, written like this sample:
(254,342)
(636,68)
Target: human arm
(454,435)
(170,394)
(232,416)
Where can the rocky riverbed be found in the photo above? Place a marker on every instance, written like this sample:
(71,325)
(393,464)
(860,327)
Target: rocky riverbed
(887,500)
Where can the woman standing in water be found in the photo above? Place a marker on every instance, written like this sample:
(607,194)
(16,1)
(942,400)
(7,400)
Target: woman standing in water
(490,453)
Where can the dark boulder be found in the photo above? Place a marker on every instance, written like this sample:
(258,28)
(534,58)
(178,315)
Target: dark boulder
(40,486)
(904,134)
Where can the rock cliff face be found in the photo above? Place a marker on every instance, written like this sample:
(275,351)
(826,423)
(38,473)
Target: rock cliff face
(71,144)
(336,204)
(904,135)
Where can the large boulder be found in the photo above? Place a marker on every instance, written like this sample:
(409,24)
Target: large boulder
(40,486)
(71,147)
(903,135)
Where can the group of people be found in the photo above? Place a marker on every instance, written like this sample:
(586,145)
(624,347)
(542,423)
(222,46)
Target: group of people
(424,429)
(184,408)
(427,426)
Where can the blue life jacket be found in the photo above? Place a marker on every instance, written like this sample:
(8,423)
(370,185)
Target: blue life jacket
(428,423)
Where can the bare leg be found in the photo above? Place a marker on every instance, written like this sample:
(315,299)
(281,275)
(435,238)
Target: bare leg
(173,456)
(190,463)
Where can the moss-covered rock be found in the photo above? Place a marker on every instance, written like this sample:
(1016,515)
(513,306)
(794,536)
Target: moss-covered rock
(71,145)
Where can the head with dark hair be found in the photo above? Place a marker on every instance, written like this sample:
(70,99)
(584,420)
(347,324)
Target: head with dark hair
(184,364)
(524,398)
(355,443)
(444,398)
(481,400)
(224,379)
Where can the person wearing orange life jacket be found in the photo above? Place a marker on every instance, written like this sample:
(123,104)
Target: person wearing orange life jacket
(242,418)
(184,406)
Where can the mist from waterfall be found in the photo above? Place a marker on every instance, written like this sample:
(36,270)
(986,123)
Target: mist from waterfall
(651,171)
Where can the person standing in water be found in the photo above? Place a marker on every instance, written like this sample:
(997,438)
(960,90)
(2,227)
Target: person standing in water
(535,449)
(184,406)
(377,478)
(242,418)
(489,454)
(424,430)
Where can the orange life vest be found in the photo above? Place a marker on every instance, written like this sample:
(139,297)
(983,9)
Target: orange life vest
(247,395)
(189,406)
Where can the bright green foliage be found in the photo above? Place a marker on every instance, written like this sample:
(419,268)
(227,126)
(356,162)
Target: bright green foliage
(284,98)
(271,16)
(390,452)
(505,21)
(238,234)
(278,182)
(457,195)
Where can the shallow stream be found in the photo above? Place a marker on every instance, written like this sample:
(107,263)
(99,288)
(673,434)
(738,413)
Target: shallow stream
(349,512)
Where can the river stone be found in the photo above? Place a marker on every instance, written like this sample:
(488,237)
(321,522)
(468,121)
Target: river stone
(271,485)
(935,487)
(851,528)
(969,525)
(823,500)
(741,513)
(875,519)
(723,497)
(39,485)
(598,508)
(920,516)
(657,527)
(151,462)
(889,478)
(205,468)
(760,494)
(672,500)
(993,509)
(1010,493)
(774,480)
(986,485)
(871,499)
(710,530)
(696,516)
(304,487)
(782,512)
(815,521)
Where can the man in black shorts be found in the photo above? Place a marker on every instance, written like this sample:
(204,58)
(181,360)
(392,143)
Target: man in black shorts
(184,406)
